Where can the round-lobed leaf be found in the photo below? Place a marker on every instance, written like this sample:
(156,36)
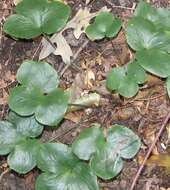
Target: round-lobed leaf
(9,137)
(27,126)
(106,157)
(128,87)
(24,100)
(92,138)
(38,74)
(154,61)
(142,34)
(23,158)
(36,17)
(106,164)
(125,79)
(58,156)
(104,26)
(52,108)
(63,170)
(136,72)
(38,93)
(48,109)
(160,17)
(124,141)
(115,77)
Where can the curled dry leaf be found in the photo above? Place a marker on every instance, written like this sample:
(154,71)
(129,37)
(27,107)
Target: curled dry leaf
(78,23)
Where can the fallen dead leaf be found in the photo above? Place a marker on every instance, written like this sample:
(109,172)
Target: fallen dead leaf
(89,77)
(162,160)
(73,117)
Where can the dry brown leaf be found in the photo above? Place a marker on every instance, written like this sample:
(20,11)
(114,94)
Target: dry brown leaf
(63,49)
(89,77)
(73,117)
(162,160)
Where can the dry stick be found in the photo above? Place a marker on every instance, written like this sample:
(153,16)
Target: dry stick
(119,7)
(74,57)
(149,151)
(4,173)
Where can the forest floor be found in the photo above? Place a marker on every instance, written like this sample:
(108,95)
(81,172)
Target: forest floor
(143,113)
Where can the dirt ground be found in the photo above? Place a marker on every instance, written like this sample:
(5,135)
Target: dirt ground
(143,114)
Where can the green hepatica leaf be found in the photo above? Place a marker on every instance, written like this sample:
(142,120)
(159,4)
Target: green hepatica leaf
(92,138)
(160,17)
(23,158)
(36,17)
(48,109)
(154,61)
(106,158)
(28,126)
(142,34)
(9,137)
(63,170)
(125,79)
(136,72)
(15,142)
(38,74)
(104,26)
(38,94)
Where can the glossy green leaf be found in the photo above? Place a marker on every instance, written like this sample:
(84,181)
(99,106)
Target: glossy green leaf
(114,77)
(160,17)
(106,156)
(92,138)
(106,163)
(124,141)
(24,100)
(142,34)
(27,126)
(38,74)
(38,93)
(9,137)
(48,109)
(154,61)
(36,17)
(23,158)
(15,142)
(64,171)
(125,79)
(104,26)
(136,72)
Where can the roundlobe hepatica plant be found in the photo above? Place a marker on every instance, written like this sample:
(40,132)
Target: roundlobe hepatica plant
(36,17)
(38,93)
(106,152)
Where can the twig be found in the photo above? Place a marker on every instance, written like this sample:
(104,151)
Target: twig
(74,57)
(119,7)
(146,99)
(149,151)
(3,174)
